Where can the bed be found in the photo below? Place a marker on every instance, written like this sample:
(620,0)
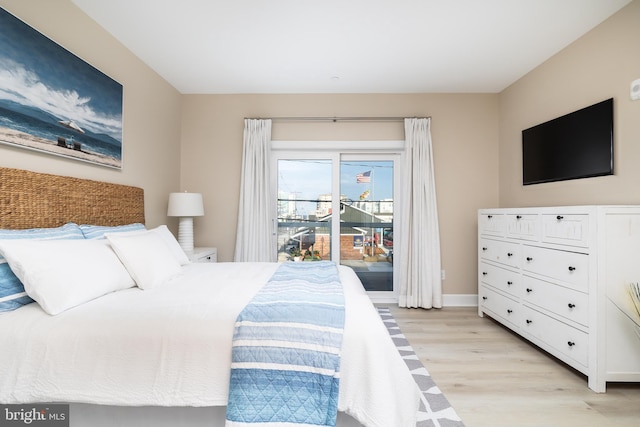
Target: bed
(161,355)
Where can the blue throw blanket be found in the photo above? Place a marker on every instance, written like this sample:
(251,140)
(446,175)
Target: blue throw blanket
(286,350)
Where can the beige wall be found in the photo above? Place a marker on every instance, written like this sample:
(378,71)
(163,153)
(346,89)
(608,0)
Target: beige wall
(476,136)
(151,134)
(598,66)
(476,140)
(464,131)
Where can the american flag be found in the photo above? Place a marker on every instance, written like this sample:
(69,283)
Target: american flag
(364,177)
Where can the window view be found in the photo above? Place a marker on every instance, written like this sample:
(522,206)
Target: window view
(304,210)
(365,231)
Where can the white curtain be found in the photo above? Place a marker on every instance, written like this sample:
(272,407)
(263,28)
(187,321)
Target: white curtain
(255,240)
(418,255)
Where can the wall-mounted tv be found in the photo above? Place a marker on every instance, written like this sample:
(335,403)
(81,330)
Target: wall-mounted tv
(577,145)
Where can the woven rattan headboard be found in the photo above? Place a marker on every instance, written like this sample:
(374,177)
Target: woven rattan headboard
(31,200)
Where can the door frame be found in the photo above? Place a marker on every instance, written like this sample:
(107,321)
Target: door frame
(336,151)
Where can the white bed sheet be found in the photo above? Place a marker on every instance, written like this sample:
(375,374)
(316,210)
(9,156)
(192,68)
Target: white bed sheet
(171,346)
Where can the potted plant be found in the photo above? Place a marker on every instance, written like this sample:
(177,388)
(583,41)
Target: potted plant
(295,254)
(308,256)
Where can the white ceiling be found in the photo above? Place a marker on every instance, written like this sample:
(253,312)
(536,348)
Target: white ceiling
(348,46)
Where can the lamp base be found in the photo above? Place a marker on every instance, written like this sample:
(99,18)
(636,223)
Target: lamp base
(185,234)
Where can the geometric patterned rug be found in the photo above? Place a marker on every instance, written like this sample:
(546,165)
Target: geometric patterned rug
(435,409)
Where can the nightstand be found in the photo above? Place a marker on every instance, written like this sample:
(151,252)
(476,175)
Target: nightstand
(204,255)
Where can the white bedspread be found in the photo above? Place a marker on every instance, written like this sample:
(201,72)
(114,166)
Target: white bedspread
(171,346)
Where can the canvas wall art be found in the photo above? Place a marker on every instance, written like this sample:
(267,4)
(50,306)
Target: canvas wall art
(54,102)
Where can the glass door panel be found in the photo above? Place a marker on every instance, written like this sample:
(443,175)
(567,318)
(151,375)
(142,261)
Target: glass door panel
(339,206)
(366,221)
(304,209)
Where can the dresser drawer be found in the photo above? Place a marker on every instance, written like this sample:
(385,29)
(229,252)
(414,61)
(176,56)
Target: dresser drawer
(523,226)
(204,255)
(568,303)
(563,229)
(491,224)
(506,253)
(571,268)
(571,342)
(507,309)
(500,278)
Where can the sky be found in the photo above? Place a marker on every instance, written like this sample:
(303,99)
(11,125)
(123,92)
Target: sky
(37,72)
(309,178)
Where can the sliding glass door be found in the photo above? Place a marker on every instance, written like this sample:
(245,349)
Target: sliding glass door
(304,209)
(338,206)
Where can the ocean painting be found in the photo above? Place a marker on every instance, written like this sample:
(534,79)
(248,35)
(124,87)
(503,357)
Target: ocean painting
(54,102)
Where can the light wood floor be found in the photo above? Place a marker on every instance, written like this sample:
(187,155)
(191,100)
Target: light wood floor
(494,378)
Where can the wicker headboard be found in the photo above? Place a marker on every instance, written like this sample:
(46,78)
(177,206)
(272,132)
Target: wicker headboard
(31,200)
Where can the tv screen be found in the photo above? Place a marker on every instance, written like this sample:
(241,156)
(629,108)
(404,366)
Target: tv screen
(577,145)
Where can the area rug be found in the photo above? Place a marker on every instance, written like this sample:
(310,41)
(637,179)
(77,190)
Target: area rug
(435,409)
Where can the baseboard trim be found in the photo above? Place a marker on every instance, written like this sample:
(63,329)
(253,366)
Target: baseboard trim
(460,300)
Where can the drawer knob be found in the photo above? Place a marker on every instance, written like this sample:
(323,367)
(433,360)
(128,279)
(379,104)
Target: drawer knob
(518,216)
(509,254)
(529,290)
(489,216)
(571,305)
(529,322)
(484,273)
(509,283)
(559,217)
(572,268)
(484,298)
(509,311)
(570,343)
(484,248)
(529,259)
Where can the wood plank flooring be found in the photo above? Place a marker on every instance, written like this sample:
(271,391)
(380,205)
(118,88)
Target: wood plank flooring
(494,378)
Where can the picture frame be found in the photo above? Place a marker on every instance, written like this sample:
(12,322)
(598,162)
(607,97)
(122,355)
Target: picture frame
(52,101)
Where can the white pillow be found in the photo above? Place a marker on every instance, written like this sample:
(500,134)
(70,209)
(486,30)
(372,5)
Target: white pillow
(60,274)
(173,244)
(168,238)
(146,256)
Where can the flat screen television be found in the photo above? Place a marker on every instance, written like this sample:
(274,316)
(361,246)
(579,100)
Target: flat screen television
(576,145)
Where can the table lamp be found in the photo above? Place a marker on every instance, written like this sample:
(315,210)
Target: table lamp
(185,206)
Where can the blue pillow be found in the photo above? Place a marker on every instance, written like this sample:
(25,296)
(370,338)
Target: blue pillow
(12,294)
(97,231)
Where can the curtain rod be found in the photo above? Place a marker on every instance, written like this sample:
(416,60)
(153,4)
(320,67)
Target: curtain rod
(335,119)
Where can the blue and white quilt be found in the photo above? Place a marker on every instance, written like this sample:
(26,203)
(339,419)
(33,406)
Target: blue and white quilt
(285,368)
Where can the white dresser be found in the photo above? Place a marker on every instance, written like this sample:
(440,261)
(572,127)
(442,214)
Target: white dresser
(550,274)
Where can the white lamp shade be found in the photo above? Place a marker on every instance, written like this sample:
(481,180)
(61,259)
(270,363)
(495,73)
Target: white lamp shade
(185,205)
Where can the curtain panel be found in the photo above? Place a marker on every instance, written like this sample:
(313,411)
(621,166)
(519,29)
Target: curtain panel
(255,240)
(418,255)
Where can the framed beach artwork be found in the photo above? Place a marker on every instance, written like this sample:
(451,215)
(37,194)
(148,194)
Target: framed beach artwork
(54,102)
